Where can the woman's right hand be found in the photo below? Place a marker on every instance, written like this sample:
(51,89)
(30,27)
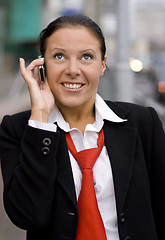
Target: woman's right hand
(42,99)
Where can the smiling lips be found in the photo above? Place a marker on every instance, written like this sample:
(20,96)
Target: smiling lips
(73,85)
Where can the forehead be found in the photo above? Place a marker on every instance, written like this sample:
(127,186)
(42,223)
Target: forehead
(73,35)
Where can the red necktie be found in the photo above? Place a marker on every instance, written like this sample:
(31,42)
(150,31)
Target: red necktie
(90,225)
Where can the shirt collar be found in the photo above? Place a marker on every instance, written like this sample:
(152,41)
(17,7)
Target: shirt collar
(103,112)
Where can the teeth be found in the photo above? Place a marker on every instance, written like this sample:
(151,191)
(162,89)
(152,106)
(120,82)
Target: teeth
(72,86)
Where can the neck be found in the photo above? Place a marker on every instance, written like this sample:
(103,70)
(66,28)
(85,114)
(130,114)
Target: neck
(78,117)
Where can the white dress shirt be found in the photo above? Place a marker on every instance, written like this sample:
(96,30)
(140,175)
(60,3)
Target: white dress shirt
(102,172)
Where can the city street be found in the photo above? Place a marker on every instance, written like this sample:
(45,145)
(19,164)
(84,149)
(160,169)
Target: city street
(7,230)
(144,94)
(133,29)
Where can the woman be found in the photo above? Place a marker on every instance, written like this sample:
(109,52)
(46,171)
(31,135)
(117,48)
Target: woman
(41,173)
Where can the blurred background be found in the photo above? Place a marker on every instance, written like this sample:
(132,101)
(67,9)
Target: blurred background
(135,37)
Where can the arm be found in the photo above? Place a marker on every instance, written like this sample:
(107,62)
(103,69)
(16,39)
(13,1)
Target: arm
(158,174)
(28,174)
(28,183)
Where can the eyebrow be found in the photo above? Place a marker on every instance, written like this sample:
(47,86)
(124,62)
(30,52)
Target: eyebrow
(86,50)
(82,51)
(61,49)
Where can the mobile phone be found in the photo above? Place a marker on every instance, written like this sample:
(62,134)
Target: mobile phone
(42,72)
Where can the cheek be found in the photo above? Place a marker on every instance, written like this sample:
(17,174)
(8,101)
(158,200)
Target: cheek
(56,69)
(98,72)
(94,78)
(93,75)
(53,74)
(100,69)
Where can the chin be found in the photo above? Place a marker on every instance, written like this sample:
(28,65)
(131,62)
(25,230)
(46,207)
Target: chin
(74,103)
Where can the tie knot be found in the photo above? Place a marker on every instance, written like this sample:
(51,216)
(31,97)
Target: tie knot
(86,158)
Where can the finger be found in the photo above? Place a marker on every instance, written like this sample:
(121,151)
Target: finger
(35,63)
(27,73)
(22,65)
(31,66)
(36,74)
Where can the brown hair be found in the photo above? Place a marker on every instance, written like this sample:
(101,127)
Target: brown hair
(72,20)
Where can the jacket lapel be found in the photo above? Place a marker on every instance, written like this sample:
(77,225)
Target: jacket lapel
(64,173)
(120,142)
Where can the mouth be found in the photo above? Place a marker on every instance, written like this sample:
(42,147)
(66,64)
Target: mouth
(73,85)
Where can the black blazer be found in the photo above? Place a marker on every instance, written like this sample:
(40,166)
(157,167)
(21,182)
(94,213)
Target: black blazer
(39,193)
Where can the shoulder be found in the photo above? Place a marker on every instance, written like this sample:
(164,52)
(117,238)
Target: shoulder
(125,107)
(136,115)
(131,110)
(16,122)
(144,120)
(17,118)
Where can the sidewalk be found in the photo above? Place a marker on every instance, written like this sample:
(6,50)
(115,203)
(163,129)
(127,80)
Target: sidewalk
(9,105)
(7,230)
(14,96)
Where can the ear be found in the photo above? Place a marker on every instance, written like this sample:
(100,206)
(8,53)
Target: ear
(103,66)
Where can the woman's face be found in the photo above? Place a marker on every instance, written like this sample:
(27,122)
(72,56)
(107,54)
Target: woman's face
(74,66)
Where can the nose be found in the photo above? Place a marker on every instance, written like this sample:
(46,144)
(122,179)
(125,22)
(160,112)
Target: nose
(73,68)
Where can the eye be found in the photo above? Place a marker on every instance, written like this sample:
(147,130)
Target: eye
(59,56)
(87,57)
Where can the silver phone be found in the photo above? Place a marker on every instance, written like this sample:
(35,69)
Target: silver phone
(42,72)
